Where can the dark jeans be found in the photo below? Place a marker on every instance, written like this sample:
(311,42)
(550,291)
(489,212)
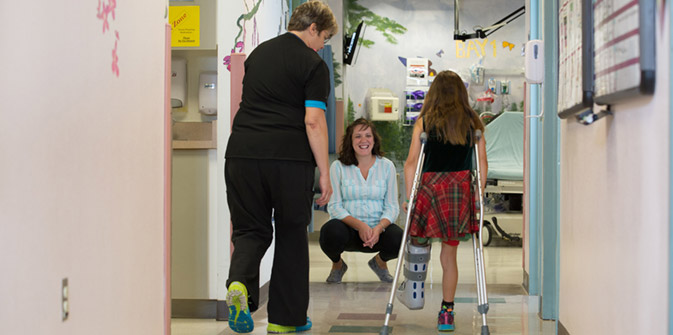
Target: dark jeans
(254,188)
(337,237)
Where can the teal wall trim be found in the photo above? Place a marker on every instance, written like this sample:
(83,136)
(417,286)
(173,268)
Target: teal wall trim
(551,174)
(330,112)
(533,196)
(670,178)
(533,185)
(296,3)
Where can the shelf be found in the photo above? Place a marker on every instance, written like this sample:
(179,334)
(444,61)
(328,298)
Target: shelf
(195,135)
(505,186)
(504,72)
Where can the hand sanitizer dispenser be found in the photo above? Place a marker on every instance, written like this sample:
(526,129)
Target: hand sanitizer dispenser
(534,62)
(208,93)
(178,82)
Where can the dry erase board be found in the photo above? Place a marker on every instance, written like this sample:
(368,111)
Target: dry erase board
(624,49)
(576,75)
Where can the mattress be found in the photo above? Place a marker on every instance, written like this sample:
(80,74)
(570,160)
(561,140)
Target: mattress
(504,146)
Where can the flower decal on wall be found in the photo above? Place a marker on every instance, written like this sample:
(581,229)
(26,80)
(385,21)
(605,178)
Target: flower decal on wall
(239,45)
(105,11)
(227,59)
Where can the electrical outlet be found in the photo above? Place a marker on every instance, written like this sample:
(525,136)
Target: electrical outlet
(65,304)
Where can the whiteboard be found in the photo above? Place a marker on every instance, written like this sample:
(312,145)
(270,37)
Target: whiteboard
(624,49)
(576,76)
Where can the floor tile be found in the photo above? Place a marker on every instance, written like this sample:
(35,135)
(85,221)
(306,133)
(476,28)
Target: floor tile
(358,305)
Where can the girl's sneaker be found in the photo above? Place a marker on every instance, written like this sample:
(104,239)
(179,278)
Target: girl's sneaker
(445,320)
(280,329)
(240,319)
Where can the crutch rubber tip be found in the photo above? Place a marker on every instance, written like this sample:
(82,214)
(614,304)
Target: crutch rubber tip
(384,330)
(484,330)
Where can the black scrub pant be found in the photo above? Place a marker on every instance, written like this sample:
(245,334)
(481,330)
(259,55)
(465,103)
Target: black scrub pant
(337,237)
(254,188)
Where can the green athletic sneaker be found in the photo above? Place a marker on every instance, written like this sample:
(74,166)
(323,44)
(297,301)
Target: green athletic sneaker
(240,319)
(279,329)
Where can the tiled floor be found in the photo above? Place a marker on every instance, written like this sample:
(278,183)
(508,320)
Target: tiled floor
(358,304)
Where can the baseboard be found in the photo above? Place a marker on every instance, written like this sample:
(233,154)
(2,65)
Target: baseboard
(193,308)
(561,329)
(526,282)
(264,294)
(209,309)
(222,311)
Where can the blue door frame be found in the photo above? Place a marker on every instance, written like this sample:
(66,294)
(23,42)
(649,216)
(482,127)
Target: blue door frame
(670,195)
(544,169)
(551,179)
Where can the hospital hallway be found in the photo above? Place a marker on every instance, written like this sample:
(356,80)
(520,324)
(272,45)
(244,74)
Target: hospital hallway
(357,305)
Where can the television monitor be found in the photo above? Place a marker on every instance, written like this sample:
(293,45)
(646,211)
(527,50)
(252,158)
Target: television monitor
(350,44)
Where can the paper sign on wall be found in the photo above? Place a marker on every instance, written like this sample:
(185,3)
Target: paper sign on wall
(417,71)
(185,24)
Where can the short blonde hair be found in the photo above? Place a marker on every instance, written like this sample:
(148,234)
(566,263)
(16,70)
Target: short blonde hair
(310,12)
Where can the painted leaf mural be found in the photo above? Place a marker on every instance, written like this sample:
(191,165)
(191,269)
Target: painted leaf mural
(389,28)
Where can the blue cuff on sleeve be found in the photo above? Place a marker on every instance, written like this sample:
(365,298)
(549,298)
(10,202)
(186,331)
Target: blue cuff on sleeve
(316,104)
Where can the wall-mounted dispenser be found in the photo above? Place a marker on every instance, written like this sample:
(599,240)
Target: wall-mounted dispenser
(178,82)
(382,105)
(208,93)
(534,63)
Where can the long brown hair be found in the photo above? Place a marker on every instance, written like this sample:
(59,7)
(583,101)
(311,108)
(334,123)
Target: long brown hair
(347,153)
(446,110)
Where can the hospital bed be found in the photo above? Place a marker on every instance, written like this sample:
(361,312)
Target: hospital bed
(504,152)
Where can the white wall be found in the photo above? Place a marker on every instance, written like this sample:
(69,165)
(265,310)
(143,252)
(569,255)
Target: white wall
(82,179)
(194,201)
(194,253)
(614,214)
(189,226)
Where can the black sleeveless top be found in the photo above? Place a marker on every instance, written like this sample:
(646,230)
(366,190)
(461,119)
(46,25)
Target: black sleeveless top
(446,157)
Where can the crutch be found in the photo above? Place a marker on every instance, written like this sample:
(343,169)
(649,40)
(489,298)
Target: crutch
(410,206)
(482,296)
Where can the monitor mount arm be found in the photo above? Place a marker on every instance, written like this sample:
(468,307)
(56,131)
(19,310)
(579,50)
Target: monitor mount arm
(482,32)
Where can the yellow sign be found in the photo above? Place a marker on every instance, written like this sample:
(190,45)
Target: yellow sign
(185,24)
(476,47)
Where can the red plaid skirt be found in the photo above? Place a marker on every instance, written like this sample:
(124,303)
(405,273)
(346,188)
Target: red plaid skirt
(444,207)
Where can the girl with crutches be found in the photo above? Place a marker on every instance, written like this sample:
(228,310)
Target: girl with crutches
(443,206)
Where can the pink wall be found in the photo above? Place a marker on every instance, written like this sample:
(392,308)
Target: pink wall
(83,171)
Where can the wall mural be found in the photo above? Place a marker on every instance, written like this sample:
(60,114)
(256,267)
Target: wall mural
(394,138)
(405,29)
(103,12)
(423,28)
(272,16)
(388,27)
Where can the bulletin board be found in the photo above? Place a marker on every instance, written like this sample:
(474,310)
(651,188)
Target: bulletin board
(576,74)
(624,57)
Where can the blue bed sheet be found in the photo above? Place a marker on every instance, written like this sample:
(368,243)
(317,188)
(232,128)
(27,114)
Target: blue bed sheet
(504,146)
